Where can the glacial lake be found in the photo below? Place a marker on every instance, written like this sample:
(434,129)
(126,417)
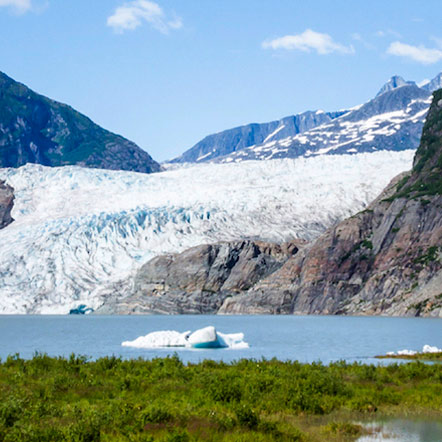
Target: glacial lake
(302,338)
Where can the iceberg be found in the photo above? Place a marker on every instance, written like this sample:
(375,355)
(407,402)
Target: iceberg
(425,349)
(203,338)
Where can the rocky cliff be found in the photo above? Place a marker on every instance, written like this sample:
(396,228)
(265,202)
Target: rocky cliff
(201,278)
(6,204)
(35,129)
(384,260)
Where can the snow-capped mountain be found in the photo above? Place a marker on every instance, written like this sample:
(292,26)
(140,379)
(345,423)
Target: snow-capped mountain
(392,120)
(79,233)
(238,138)
(394,82)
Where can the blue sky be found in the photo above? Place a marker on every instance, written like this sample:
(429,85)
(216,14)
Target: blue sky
(166,73)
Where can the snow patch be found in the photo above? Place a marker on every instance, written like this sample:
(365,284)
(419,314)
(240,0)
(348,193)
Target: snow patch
(274,133)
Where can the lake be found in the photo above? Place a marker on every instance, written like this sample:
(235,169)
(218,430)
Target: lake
(302,338)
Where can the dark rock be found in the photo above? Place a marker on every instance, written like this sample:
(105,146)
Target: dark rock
(6,204)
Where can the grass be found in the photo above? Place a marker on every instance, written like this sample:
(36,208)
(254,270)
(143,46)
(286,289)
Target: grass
(110,399)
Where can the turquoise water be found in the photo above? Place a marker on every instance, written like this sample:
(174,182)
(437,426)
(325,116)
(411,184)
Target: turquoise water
(303,338)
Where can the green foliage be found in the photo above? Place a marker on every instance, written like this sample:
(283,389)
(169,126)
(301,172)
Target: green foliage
(110,399)
(431,255)
(426,178)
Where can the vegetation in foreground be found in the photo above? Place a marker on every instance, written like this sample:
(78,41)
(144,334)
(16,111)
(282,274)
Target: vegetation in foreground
(56,399)
(436,356)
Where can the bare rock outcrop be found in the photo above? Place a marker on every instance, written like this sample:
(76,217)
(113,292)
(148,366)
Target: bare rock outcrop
(6,204)
(201,278)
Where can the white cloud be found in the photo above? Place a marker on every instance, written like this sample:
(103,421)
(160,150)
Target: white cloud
(19,6)
(421,54)
(132,14)
(387,32)
(307,41)
(358,37)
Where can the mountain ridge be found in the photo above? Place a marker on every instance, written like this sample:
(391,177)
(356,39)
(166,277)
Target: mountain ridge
(402,131)
(36,129)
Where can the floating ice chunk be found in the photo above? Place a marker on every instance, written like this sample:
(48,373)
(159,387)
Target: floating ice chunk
(406,352)
(206,337)
(425,349)
(233,340)
(430,349)
(158,339)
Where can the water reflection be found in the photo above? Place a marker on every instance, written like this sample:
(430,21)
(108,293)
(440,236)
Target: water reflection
(403,430)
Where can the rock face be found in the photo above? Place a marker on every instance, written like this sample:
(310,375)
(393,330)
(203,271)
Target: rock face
(6,204)
(201,278)
(384,260)
(35,129)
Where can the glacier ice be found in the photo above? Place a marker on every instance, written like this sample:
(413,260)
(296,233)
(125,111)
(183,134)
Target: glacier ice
(79,234)
(206,337)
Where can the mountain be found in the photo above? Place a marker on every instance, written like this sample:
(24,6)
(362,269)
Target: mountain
(385,260)
(239,138)
(434,84)
(392,120)
(394,82)
(80,236)
(36,129)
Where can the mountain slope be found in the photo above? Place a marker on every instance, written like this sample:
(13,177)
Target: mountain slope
(80,235)
(35,129)
(384,260)
(392,120)
(238,138)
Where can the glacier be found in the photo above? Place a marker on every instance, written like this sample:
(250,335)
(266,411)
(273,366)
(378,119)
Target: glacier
(80,234)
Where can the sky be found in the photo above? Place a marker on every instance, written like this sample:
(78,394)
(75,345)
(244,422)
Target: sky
(166,73)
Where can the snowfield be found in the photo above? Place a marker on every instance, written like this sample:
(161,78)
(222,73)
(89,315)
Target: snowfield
(79,234)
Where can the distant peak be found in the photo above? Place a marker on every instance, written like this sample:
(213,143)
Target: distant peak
(394,82)
(434,84)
